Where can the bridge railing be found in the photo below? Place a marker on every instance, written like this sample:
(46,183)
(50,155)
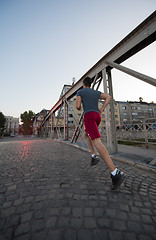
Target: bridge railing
(133,132)
(137,132)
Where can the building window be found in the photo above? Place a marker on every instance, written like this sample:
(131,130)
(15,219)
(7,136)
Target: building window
(124,108)
(134,114)
(70,122)
(134,108)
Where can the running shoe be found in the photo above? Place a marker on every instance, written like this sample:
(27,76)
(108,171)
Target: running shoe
(117,180)
(94,161)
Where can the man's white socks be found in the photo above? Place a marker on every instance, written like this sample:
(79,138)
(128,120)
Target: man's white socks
(114,172)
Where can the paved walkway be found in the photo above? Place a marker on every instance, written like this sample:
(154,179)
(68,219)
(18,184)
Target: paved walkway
(48,191)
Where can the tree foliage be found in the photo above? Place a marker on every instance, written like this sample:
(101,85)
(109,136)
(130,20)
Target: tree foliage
(27,120)
(2,123)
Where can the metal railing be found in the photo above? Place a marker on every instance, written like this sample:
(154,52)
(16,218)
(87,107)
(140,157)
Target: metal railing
(139,132)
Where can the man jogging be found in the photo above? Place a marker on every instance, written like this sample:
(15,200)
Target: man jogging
(92,118)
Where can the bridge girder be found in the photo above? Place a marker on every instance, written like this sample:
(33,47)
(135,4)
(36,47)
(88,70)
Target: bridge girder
(142,36)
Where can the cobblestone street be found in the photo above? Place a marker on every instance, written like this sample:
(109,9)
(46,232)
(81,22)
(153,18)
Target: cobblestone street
(48,191)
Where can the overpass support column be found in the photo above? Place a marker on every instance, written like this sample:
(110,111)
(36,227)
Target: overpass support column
(110,116)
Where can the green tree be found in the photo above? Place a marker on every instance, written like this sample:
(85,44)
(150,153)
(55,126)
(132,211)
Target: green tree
(27,120)
(2,123)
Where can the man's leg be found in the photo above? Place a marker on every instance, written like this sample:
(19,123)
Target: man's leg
(94,158)
(116,175)
(104,153)
(90,144)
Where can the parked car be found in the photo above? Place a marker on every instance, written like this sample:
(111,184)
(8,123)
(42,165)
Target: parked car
(12,135)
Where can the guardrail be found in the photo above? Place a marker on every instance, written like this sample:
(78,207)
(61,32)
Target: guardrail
(131,132)
(143,132)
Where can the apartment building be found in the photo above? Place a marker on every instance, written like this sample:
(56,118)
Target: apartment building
(137,111)
(11,125)
(72,111)
(38,119)
(116,113)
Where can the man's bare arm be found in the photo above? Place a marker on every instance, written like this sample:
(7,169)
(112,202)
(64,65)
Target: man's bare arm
(78,103)
(107,99)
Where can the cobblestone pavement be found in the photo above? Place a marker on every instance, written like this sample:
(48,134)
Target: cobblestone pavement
(48,191)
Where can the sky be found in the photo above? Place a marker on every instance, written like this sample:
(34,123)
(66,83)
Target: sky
(45,43)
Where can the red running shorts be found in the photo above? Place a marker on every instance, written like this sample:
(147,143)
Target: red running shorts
(92,121)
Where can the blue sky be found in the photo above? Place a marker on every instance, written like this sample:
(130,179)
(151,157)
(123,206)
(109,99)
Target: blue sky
(44,44)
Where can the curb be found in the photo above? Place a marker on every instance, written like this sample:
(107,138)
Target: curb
(136,164)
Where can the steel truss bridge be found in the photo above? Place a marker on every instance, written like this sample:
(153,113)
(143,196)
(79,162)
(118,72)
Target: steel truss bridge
(142,36)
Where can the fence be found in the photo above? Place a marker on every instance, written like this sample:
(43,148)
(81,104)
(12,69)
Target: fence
(138,132)
(143,132)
